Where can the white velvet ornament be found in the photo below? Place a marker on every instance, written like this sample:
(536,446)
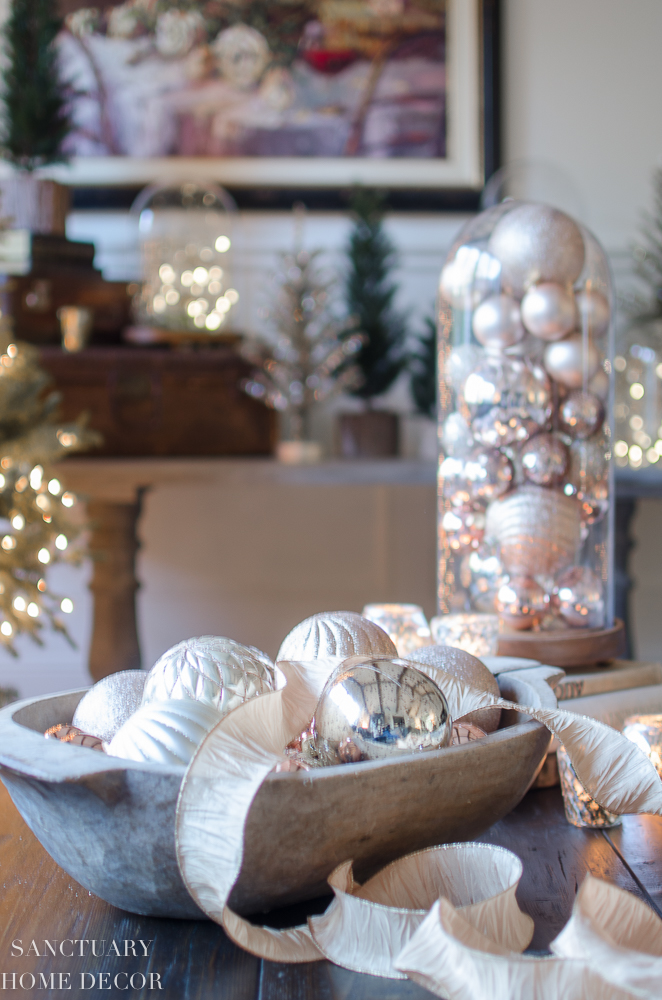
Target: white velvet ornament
(468,669)
(536,243)
(166,732)
(335,633)
(593,309)
(497,324)
(572,361)
(549,311)
(108,704)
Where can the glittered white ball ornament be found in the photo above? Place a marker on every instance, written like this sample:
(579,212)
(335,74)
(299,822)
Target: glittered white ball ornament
(578,596)
(469,670)
(213,670)
(544,459)
(536,243)
(168,732)
(549,311)
(522,602)
(497,324)
(108,704)
(572,361)
(593,310)
(335,633)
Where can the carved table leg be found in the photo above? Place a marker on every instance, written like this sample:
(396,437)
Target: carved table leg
(113,547)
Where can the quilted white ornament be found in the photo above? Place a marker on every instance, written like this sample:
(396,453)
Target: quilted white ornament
(167,732)
(213,670)
(335,633)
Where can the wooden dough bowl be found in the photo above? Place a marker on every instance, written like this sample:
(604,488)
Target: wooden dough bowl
(110,823)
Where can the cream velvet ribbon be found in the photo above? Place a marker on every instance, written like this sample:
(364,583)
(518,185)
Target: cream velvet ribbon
(476,923)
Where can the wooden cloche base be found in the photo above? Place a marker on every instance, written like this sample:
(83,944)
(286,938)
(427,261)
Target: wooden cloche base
(572,647)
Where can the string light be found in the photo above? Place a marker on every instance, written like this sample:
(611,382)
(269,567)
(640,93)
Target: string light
(33,610)
(18,522)
(8,543)
(36,477)
(6,629)
(68,499)
(67,605)
(19,603)
(41,585)
(223,244)
(54,487)
(44,556)
(61,542)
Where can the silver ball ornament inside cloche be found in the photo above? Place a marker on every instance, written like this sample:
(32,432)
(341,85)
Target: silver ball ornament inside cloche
(377,709)
(579,598)
(335,633)
(213,670)
(549,311)
(572,361)
(581,413)
(544,459)
(497,323)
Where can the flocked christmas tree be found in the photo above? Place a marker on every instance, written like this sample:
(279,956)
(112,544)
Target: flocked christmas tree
(37,524)
(369,293)
(36,121)
(303,358)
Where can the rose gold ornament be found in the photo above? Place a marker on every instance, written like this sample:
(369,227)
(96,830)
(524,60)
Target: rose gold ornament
(573,361)
(548,311)
(537,530)
(489,474)
(76,737)
(581,414)
(497,324)
(544,459)
(506,400)
(587,478)
(464,528)
(522,602)
(466,732)
(536,243)
(348,752)
(593,310)
(578,596)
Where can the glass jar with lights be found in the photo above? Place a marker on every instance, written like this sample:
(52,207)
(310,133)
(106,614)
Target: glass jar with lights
(186,247)
(638,395)
(525,483)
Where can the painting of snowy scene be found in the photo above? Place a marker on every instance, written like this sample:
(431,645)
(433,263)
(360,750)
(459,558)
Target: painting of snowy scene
(257,78)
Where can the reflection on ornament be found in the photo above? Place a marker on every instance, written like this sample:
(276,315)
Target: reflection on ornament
(405,625)
(335,633)
(544,459)
(581,413)
(469,277)
(455,435)
(593,310)
(587,478)
(548,311)
(537,530)
(646,732)
(522,602)
(496,323)
(489,474)
(507,400)
(479,631)
(466,732)
(578,597)
(384,708)
(482,574)
(464,528)
(471,633)
(536,243)
(572,362)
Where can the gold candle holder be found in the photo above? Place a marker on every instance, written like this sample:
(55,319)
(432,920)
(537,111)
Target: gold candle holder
(406,625)
(580,808)
(646,732)
(476,634)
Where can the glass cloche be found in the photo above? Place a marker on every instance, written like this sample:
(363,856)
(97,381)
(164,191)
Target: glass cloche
(186,246)
(525,457)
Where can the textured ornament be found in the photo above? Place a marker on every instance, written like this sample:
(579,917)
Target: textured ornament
(578,597)
(536,243)
(166,732)
(108,704)
(464,528)
(76,737)
(382,709)
(581,414)
(497,324)
(572,362)
(213,670)
(335,633)
(537,530)
(506,400)
(489,474)
(522,602)
(549,311)
(544,459)
(470,276)
(469,670)
(587,478)
(456,436)
(593,310)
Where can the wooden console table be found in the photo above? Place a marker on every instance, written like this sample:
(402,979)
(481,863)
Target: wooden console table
(195,960)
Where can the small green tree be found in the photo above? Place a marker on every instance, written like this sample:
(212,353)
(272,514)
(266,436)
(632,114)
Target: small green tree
(423,368)
(369,294)
(36,120)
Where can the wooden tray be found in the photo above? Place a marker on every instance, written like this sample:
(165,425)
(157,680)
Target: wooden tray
(110,823)
(571,648)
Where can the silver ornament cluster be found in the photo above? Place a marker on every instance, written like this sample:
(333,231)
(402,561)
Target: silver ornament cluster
(525,452)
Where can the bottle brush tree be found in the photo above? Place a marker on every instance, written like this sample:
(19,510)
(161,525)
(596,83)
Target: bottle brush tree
(423,369)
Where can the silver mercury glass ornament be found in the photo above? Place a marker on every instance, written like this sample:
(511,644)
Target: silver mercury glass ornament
(374,709)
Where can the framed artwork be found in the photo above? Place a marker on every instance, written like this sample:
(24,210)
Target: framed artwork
(284,95)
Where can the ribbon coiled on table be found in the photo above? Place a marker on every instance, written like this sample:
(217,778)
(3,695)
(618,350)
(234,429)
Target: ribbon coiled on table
(446,917)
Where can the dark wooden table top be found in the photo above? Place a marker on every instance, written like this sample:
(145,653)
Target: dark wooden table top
(194,959)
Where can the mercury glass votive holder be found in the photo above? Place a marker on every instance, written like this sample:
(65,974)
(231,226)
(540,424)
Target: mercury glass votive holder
(580,808)
(476,634)
(406,625)
(646,732)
